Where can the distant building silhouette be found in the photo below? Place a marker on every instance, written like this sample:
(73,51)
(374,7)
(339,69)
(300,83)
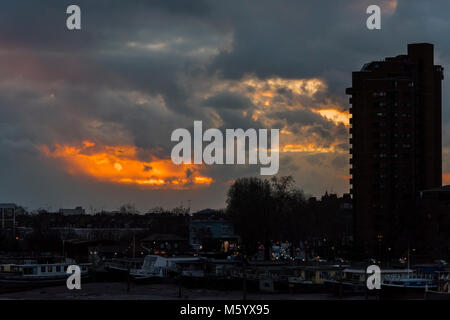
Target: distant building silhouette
(212,230)
(68,212)
(433,215)
(396,144)
(8,215)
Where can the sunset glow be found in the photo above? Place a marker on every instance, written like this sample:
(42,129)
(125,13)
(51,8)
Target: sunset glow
(446,178)
(121,164)
(311,148)
(262,92)
(391,6)
(335,115)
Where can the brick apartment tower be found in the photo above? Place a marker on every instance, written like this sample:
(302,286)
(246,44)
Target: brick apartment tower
(396,144)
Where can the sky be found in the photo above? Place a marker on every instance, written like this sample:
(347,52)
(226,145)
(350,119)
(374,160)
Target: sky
(86,116)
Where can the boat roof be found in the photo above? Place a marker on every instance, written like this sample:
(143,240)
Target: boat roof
(47,264)
(330,267)
(349,270)
(179,259)
(411,280)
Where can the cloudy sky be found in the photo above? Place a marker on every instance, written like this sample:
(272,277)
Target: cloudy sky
(86,116)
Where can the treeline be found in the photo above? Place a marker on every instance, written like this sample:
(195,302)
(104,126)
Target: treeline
(264,211)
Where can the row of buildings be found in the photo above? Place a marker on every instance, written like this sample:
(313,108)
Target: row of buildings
(326,227)
(206,229)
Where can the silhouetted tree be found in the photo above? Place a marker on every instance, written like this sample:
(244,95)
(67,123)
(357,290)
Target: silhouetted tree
(128,208)
(264,211)
(251,206)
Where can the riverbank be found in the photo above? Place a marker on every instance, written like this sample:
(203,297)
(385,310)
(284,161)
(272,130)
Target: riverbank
(119,291)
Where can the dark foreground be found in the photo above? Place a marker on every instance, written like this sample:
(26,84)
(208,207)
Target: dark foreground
(119,291)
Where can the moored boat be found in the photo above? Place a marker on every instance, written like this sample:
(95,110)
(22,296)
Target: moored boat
(406,288)
(155,268)
(352,281)
(30,274)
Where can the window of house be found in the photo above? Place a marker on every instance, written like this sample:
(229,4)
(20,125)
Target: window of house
(27,270)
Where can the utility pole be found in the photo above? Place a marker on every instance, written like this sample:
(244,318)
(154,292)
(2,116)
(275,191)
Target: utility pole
(14,223)
(134,244)
(408,261)
(244,279)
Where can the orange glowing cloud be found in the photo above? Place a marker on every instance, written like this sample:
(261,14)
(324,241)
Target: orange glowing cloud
(445,178)
(263,92)
(203,180)
(120,164)
(310,148)
(335,115)
(391,6)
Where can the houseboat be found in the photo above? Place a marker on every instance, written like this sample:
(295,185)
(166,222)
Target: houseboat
(157,268)
(352,281)
(405,288)
(311,279)
(442,292)
(119,268)
(193,271)
(31,274)
(429,277)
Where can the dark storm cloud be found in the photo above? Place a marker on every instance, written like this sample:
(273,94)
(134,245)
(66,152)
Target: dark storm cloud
(324,38)
(228,100)
(311,124)
(141,45)
(302,117)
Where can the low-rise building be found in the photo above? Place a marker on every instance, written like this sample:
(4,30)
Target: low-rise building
(68,212)
(433,216)
(210,230)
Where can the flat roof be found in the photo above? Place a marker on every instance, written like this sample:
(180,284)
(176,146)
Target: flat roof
(8,206)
